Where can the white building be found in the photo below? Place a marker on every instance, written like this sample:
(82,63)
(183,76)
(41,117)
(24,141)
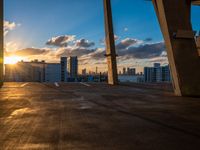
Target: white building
(52,72)
(25,72)
(36,71)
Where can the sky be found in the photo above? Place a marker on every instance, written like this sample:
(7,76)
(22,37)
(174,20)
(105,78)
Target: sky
(49,29)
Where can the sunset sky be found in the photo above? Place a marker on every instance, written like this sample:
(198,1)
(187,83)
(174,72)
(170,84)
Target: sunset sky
(49,29)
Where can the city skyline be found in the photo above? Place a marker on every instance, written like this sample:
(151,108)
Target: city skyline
(129,71)
(45,30)
(67,71)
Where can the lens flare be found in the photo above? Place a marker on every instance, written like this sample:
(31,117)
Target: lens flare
(12,59)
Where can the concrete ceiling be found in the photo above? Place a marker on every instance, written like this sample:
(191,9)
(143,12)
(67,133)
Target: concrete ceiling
(196,2)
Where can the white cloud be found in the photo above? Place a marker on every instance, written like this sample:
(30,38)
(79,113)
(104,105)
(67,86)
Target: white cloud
(11,46)
(103,41)
(125,29)
(84,43)
(61,41)
(8,26)
(126,43)
(128,49)
(116,37)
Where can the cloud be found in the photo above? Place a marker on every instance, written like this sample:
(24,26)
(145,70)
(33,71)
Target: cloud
(29,52)
(164,54)
(146,51)
(94,58)
(73,51)
(126,43)
(11,46)
(162,60)
(148,39)
(8,26)
(102,41)
(84,43)
(61,41)
(125,29)
(116,37)
(128,49)
(98,54)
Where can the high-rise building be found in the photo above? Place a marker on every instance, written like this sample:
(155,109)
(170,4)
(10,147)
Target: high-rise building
(63,63)
(156,65)
(131,71)
(128,71)
(53,72)
(166,77)
(157,73)
(124,71)
(73,67)
(84,71)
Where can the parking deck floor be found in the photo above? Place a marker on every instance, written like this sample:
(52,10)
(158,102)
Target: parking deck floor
(79,116)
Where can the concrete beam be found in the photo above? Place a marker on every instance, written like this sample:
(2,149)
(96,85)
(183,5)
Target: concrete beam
(198,44)
(174,15)
(1,42)
(196,2)
(110,44)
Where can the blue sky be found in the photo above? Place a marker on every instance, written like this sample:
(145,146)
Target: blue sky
(37,21)
(43,19)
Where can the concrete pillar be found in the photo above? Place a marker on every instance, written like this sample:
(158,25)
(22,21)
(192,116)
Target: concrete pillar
(110,44)
(198,44)
(1,42)
(174,18)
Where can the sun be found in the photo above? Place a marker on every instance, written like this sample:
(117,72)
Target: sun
(12,59)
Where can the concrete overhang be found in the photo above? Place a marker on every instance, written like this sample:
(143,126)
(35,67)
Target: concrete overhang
(198,44)
(196,2)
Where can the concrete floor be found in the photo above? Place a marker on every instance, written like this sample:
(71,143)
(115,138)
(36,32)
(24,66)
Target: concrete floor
(96,117)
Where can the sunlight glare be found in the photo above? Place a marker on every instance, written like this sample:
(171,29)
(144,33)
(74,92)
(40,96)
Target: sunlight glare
(12,59)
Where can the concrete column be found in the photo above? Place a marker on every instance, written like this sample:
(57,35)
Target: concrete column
(174,18)
(1,42)
(198,44)
(110,44)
